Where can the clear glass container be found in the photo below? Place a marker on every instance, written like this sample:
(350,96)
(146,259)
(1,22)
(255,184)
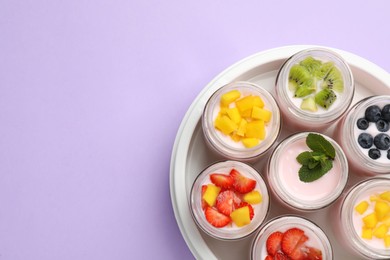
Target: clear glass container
(297,119)
(316,236)
(348,224)
(347,134)
(283,178)
(231,231)
(222,143)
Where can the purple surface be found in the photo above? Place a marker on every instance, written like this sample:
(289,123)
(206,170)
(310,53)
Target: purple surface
(92,94)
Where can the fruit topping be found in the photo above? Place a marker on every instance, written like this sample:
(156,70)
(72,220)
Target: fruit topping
(221,180)
(216,218)
(382,141)
(231,195)
(241,183)
(316,82)
(253,197)
(365,140)
(373,113)
(386,113)
(374,153)
(227,202)
(291,245)
(244,119)
(382,125)
(274,242)
(211,194)
(375,216)
(325,98)
(241,216)
(362,123)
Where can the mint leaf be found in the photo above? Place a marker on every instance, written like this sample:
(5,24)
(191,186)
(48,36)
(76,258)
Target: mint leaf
(308,175)
(303,158)
(312,164)
(319,144)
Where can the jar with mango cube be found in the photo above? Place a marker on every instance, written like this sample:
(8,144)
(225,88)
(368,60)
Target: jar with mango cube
(241,121)
(364,219)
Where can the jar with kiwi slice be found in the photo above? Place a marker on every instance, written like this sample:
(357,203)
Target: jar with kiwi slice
(316,88)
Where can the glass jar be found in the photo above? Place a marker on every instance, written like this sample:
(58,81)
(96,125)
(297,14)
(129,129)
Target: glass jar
(316,237)
(347,134)
(230,231)
(349,223)
(297,119)
(222,143)
(282,173)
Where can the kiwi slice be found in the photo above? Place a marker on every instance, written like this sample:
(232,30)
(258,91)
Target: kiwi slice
(298,76)
(324,69)
(325,98)
(334,80)
(311,64)
(309,104)
(301,81)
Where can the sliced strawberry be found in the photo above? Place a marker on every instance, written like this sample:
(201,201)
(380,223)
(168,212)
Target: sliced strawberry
(251,211)
(281,256)
(204,203)
(216,218)
(268,257)
(274,243)
(313,253)
(292,239)
(222,180)
(227,202)
(299,252)
(241,183)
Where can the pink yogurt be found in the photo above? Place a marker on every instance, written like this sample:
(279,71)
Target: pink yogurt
(284,179)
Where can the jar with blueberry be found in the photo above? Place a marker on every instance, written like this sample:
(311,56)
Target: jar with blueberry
(364,134)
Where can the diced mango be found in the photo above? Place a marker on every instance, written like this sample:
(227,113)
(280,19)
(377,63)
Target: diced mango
(230,97)
(211,194)
(250,142)
(235,137)
(261,114)
(370,220)
(362,207)
(223,111)
(245,103)
(382,208)
(366,233)
(381,231)
(253,197)
(242,127)
(241,216)
(387,241)
(225,124)
(246,114)
(257,101)
(386,220)
(234,115)
(385,196)
(374,198)
(255,129)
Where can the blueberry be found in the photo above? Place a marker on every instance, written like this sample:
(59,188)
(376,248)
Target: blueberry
(373,113)
(374,153)
(382,141)
(362,123)
(382,125)
(388,154)
(386,113)
(365,140)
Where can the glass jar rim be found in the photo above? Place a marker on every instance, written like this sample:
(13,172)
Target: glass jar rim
(241,153)
(288,219)
(347,206)
(227,234)
(296,203)
(307,116)
(350,121)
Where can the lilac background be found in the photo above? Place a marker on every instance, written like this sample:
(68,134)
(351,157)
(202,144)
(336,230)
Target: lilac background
(92,94)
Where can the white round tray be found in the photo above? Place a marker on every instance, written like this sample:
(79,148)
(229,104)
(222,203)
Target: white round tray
(190,154)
